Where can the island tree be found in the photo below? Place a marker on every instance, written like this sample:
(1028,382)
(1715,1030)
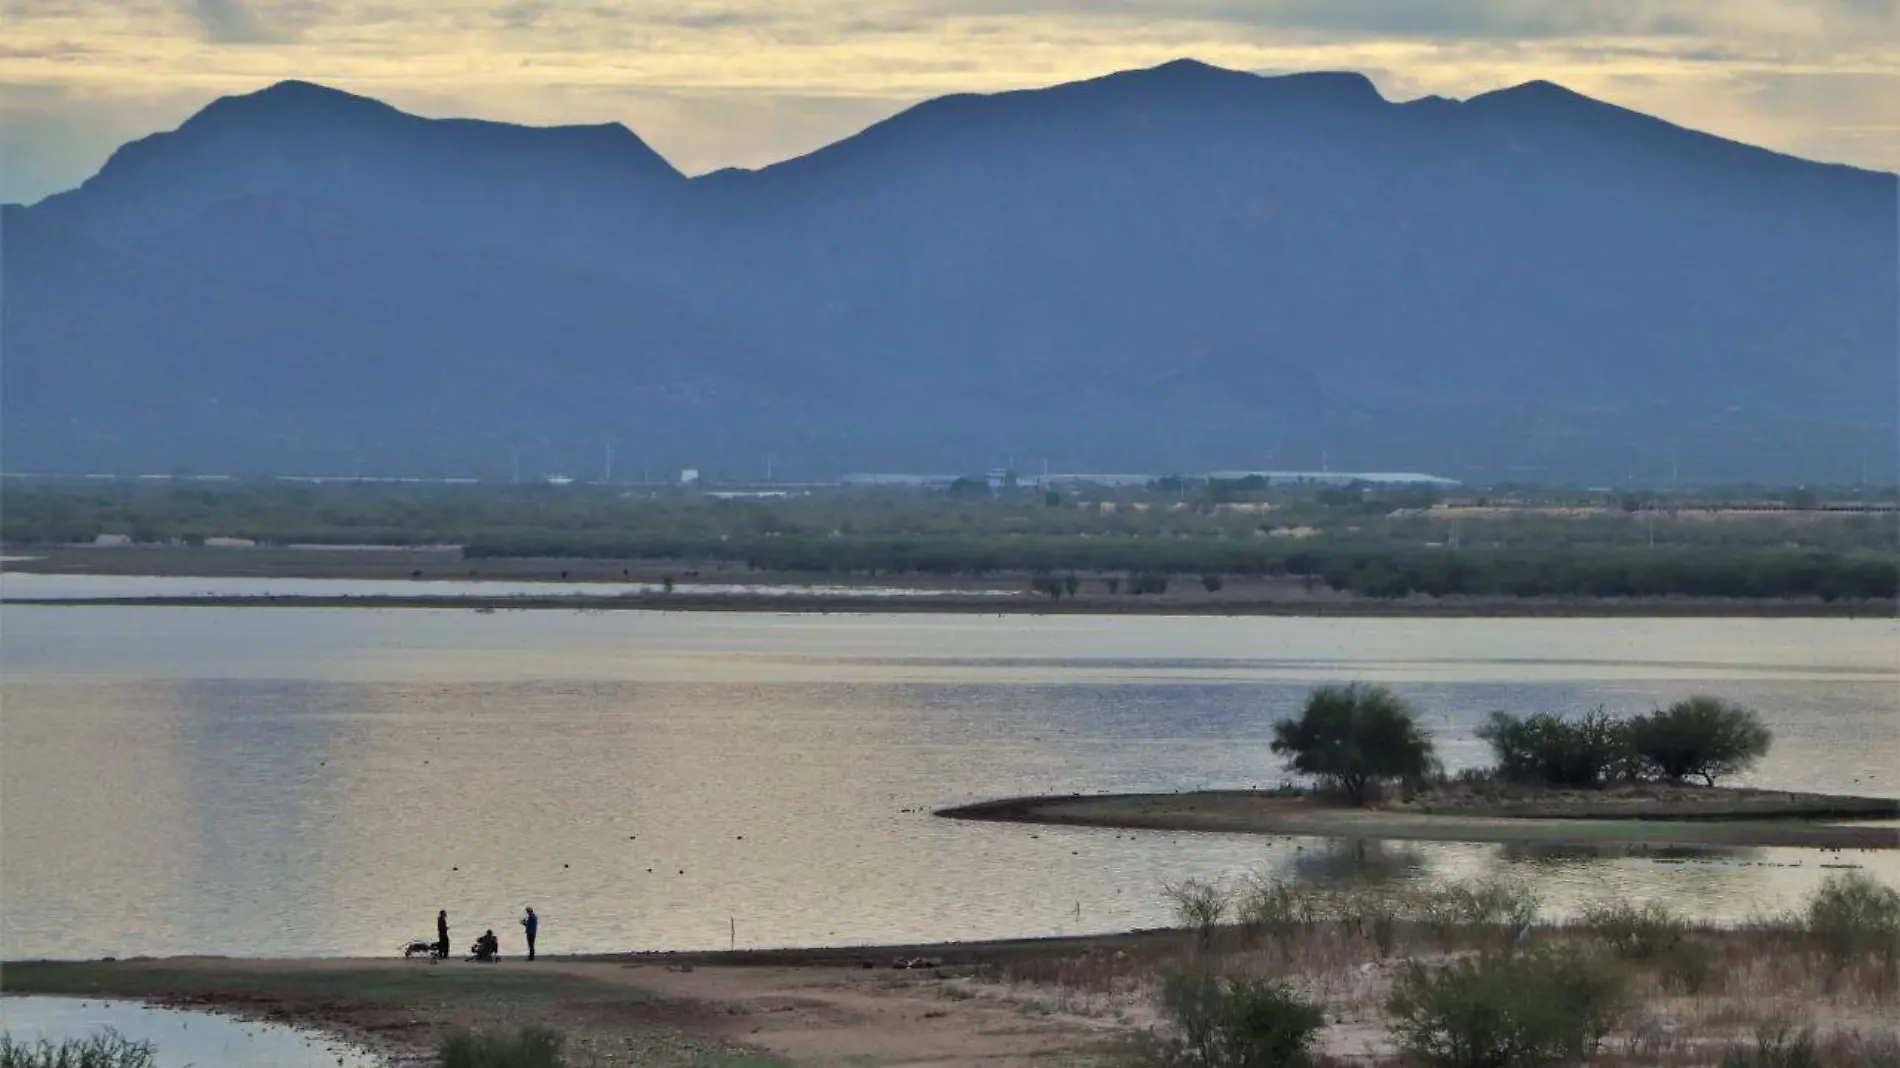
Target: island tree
(1354,737)
(1704,737)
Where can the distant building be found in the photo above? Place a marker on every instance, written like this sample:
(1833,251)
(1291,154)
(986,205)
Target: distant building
(899,481)
(689,476)
(1332,478)
(1109,481)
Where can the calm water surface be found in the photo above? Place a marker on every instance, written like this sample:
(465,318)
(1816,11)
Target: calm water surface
(181,1039)
(282,781)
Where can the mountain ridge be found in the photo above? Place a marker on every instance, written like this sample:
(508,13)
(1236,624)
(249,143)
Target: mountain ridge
(1231,266)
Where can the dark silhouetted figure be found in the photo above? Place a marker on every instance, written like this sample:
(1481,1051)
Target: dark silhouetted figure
(442,934)
(487,948)
(531,923)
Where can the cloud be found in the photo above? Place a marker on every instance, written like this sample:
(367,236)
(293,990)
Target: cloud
(56,50)
(232,22)
(712,82)
(521,15)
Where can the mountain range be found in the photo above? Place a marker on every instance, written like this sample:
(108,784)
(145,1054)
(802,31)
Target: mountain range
(1173,269)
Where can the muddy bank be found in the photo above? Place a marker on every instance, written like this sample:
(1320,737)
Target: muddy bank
(1751,823)
(661,1012)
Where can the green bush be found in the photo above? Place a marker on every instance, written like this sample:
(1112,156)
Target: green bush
(1655,936)
(1276,909)
(1554,751)
(1634,932)
(1776,1047)
(1150,582)
(1705,737)
(1235,1023)
(1878,1050)
(1453,907)
(1211,582)
(1198,906)
(1355,737)
(530,1047)
(1854,919)
(108,1049)
(1501,1010)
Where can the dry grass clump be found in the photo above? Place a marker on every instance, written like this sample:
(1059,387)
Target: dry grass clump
(1395,970)
(108,1049)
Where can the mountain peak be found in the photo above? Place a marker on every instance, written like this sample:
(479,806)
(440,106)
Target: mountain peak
(1188,72)
(1189,67)
(298,89)
(1540,94)
(300,138)
(293,101)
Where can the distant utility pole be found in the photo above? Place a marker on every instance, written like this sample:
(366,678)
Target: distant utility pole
(517,456)
(768,467)
(608,474)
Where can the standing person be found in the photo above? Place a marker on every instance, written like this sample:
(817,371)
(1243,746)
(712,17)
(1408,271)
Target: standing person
(532,923)
(442,934)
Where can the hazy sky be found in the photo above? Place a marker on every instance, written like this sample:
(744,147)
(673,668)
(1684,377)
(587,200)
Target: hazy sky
(717,82)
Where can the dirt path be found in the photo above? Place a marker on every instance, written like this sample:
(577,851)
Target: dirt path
(856,1016)
(615,1012)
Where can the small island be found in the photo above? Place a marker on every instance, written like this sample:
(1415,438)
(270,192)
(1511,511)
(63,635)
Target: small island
(1596,780)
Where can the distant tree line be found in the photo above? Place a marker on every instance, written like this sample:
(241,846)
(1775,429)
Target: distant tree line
(1333,545)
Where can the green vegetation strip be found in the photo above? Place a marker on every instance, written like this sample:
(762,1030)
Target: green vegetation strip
(1372,543)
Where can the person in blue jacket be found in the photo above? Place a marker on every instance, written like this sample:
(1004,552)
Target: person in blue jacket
(531,923)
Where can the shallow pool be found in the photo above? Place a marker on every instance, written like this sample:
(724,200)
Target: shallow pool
(183,1039)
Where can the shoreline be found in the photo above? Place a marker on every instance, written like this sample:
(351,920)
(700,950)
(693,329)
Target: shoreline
(999,593)
(1247,812)
(1070,1001)
(997,605)
(871,1005)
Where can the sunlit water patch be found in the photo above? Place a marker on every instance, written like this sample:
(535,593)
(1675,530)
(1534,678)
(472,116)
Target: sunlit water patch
(283,782)
(181,1039)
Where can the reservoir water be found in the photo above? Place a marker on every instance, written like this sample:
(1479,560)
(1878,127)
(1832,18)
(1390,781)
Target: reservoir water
(265,781)
(180,1039)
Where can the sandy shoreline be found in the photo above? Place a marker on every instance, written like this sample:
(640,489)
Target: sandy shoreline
(1798,824)
(1048,1003)
(867,1006)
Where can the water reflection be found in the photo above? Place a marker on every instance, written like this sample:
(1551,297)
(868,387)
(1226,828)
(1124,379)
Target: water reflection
(265,782)
(181,1039)
(1534,853)
(1356,861)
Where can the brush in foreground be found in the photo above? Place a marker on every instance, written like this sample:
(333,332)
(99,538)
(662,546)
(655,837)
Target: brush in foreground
(530,1047)
(108,1049)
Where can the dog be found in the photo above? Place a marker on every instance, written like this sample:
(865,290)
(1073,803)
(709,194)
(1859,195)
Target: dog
(419,947)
